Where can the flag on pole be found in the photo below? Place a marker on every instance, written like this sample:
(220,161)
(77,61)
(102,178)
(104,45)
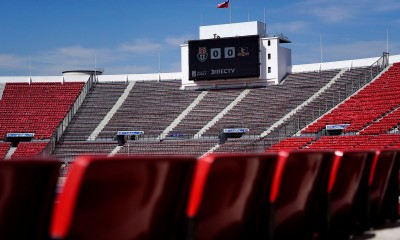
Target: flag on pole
(224,4)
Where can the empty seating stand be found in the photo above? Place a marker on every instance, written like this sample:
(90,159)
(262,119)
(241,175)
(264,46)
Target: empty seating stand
(68,150)
(151,106)
(27,194)
(292,143)
(36,108)
(29,149)
(362,109)
(98,102)
(359,142)
(264,106)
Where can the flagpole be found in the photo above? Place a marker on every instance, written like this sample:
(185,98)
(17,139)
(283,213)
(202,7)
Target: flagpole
(230,12)
(265,23)
(201,17)
(320,43)
(387,40)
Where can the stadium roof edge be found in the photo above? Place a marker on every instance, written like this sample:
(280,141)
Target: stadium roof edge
(363,62)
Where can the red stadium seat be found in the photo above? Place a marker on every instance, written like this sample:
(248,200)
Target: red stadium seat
(27,193)
(123,198)
(248,196)
(299,180)
(340,207)
(378,182)
(390,204)
(227,194)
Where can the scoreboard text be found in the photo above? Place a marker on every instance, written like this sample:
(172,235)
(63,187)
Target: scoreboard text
(224,58)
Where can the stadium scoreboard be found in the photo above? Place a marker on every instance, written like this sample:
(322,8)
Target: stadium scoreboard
(224,58)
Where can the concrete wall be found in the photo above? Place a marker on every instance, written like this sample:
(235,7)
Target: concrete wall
(284,61)
(140,77)
(232,30)
(37,79)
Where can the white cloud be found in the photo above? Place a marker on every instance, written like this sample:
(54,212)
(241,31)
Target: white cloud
(115,60)
(356,49)
(311,53)
(140,46)
(290,27)
(129,69)
(177,41)
(334,13)
(386,6)
(342,10)
(9,61)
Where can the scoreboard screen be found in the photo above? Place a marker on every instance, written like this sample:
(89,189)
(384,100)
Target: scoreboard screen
(224,58)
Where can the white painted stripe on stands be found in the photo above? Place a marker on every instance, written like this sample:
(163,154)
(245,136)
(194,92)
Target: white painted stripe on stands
(115,151)
(111,113)
(10,153)
(211,150)
(305,103)
(222,113)
(183,114)
(2,86)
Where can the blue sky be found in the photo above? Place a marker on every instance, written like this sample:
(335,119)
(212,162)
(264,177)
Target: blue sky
(46,37)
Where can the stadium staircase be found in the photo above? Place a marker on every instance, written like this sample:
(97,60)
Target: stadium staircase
(111,113)
(262,107)
(171,117)
(221,114)
(4,149)
(150,107)
(165,110)
(301,106)
(372,114)
(98,102)
(2,86)
(10,152)
(115,151)
(383,123)
(363,108)
(183,115)
(349,84)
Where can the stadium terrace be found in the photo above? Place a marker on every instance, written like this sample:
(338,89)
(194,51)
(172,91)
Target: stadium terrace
(240,144)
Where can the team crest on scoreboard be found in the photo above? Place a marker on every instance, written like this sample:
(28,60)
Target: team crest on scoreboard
(202,54)
(243,51)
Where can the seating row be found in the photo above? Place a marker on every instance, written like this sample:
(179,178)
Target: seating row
(281,195)
(36,108)
(342,142)
(29,149)
(368,105)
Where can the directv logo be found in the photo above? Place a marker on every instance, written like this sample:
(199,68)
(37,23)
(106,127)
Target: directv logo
(222,71)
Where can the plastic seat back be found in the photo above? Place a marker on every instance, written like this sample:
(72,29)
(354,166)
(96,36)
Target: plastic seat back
(299,181)
(344,185)
(378,182)
(27,193)
(227,194)
(124,198)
